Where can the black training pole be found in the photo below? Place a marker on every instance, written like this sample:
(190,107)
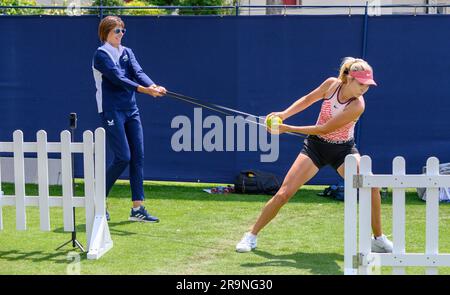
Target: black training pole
(75,243)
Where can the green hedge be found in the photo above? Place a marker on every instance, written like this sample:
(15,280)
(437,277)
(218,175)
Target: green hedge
(15,11)
(137,3)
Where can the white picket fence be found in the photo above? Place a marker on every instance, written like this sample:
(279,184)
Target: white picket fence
(358,258)
(97,231)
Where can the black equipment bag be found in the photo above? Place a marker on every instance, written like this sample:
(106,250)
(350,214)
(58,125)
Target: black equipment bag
(256,182)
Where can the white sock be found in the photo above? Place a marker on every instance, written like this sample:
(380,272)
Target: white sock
(136,209)
(252,235)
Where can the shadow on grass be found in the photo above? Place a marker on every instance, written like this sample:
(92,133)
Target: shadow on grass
(187,242)
(38,256)
(166,191)
(81,228)
(118,232)
(316,263)
(196,193)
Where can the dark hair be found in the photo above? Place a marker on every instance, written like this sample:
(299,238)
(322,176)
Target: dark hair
(107,24)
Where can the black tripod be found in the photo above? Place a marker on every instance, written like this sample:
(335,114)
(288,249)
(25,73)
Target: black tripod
(75,243)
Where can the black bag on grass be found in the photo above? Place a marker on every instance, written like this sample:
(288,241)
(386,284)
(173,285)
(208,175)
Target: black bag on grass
(256,182)
(334,192)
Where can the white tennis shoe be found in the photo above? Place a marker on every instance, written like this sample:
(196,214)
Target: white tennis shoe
(382,245)
(247,244)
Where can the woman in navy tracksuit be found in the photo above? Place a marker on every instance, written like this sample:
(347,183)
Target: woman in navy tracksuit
(118,76)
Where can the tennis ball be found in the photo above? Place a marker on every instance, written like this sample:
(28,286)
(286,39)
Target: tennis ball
(274,121)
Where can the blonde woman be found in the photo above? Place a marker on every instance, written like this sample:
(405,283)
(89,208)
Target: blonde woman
(329,141)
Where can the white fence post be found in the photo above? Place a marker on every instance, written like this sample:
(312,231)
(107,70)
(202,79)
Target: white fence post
(365,213)
(89,183)
(398,213)
(19,180)
(100,172)
(67,186)
(432,214)
(350,217)
(42,155)
(101,239)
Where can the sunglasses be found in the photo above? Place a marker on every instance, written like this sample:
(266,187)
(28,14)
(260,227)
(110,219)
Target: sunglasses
(117,31)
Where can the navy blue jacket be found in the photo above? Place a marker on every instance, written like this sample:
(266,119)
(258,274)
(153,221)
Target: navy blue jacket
(117,75)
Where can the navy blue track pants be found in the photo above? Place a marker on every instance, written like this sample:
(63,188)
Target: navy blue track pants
(125,139)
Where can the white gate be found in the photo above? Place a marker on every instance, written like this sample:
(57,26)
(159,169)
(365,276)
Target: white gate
(97,231)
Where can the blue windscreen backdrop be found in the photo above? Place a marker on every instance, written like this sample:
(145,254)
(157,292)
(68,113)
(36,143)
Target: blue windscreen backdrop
(256,64)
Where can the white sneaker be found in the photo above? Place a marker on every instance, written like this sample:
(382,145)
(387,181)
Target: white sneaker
(247,244)
(382,245)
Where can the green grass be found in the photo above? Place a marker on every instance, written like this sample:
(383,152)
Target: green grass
(198,232)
